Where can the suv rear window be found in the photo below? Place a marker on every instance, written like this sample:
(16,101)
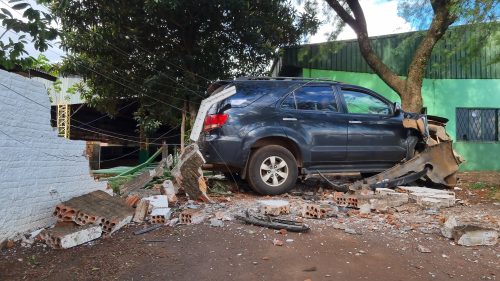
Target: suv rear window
(246,94)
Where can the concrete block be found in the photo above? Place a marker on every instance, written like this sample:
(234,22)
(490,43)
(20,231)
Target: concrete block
(141,211)
(318,211)
(191,217)
(160,215)
(274,207)
(70,235)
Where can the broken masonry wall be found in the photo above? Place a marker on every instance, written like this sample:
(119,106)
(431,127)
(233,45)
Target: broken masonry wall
(38,169)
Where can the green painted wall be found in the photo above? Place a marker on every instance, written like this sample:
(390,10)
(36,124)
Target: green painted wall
(441,97)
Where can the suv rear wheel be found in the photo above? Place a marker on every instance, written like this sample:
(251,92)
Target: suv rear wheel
(272,170)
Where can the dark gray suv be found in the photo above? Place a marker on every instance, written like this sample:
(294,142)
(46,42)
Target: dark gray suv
(275,129)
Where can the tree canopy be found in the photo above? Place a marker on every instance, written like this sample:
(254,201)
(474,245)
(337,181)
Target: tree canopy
(435,16)
(30,24)
(165,52)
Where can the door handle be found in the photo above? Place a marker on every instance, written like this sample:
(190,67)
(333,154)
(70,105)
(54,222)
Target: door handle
(289,119)
(355,122)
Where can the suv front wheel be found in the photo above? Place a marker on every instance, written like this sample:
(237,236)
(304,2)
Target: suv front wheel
(272,170)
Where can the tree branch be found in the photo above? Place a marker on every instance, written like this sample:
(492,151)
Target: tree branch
(441,20)
(358,24)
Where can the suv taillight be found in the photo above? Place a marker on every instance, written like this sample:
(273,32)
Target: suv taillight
(214,121)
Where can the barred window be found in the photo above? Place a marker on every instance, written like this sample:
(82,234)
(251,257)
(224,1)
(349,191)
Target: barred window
(478,124)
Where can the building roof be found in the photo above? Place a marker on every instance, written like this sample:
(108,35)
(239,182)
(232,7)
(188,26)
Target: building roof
(396,50)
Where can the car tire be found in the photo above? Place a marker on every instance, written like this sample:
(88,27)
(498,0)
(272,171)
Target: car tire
(272,170)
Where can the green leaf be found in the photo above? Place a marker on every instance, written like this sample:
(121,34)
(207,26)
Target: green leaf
(6,12)
(20,6)
(14,1)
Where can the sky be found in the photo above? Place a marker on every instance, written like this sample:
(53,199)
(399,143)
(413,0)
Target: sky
(381,16)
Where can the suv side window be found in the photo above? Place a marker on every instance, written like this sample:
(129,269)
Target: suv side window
(363,103)
(311,98)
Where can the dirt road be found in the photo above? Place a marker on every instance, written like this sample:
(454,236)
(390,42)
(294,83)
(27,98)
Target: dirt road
(385,248)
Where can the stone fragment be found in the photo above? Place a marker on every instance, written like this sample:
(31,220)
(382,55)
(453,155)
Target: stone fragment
(423,249)
(274,207)
(365,208)
(352,231)
(449,225)
(277,242)
(216,223)
(70,235)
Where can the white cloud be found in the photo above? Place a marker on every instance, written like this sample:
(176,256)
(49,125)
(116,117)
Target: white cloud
(381,18)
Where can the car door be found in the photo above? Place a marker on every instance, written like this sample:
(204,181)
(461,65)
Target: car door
(375,134)
(310,116)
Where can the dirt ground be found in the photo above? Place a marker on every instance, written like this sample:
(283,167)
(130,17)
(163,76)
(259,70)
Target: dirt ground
(244,252)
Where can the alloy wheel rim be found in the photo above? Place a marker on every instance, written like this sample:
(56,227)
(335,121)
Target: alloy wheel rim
(274,171)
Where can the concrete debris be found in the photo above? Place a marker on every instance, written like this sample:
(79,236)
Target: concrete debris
(224,216)
(428,197)
(191,217)
(216,223)
(277,242)
(132,200)
(345,200)
(99,208)
(28,239)
(449,225)
(70,235)
(274,207)
(473,235)
(315,211)
(170,191)
(141,211)
(469,233)
(160,215)
(188,175)
(352,231)
(423,249)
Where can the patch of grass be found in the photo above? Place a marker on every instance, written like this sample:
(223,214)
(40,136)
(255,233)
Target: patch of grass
(478,185)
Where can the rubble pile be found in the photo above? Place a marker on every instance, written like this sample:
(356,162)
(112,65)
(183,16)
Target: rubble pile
(85,218)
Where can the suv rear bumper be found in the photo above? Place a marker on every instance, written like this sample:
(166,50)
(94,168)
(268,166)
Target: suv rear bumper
(221,153)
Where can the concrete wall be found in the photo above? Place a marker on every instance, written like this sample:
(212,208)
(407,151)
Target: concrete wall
(37,168)
(441,97)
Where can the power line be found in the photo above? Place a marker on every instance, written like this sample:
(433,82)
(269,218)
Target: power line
(81,128)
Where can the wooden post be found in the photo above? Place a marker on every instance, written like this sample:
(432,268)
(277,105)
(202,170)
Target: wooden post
(164,150)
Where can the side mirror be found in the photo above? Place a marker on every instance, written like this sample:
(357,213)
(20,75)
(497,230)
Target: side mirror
(397,108)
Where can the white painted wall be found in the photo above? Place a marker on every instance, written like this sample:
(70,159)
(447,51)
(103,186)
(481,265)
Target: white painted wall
(44,169)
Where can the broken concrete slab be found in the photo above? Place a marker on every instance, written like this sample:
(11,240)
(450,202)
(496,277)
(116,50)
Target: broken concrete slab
(428,197)
(274,207)
(70,235)
(188,175)
(469,233)
(473,235)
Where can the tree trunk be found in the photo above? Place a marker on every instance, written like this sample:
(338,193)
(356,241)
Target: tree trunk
(409,89)
(183,125)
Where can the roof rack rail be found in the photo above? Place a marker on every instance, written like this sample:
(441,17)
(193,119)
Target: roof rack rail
(245,78)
